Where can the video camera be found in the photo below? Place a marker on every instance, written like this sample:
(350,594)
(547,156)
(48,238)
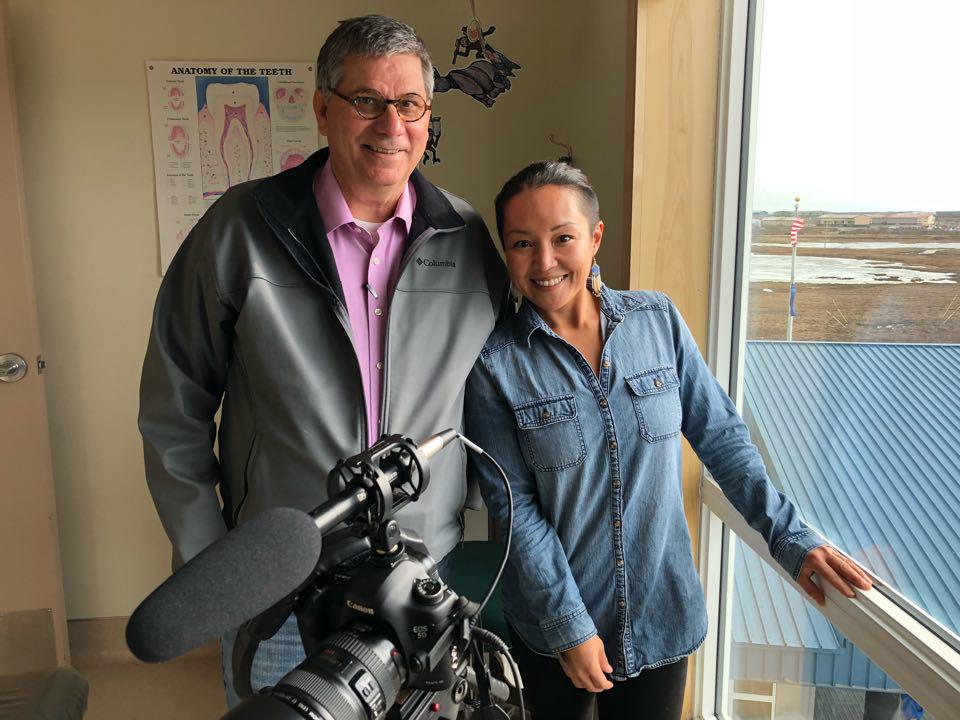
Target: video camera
(385,638)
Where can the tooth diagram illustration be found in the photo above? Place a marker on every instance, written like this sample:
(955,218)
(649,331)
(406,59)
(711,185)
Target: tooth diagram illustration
(291,103)
(175,98)
(179,141)
(291,158)
(235,143)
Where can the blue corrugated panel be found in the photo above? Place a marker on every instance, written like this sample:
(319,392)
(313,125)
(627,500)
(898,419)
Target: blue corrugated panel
(866,439)
(779,637)
(767,611)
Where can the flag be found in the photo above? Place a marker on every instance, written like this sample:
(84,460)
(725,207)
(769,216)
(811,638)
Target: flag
(795,227)
(793,299)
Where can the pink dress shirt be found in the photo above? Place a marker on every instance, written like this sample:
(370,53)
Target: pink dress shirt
(369,265)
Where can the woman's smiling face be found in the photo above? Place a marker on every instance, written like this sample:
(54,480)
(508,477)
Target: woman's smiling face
(549,246)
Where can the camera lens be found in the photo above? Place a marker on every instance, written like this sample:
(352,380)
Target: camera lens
(354,675)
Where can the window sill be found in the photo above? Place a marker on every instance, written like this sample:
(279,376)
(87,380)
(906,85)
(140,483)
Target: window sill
(923,663)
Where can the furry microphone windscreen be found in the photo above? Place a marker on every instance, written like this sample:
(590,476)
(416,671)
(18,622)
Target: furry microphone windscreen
(236,578)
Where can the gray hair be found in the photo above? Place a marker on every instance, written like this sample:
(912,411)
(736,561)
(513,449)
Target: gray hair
(369,36)
(549,172)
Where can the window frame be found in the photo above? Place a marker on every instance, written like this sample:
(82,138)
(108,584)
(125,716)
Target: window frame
(914,649)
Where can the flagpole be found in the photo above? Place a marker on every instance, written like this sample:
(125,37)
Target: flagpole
(792,310)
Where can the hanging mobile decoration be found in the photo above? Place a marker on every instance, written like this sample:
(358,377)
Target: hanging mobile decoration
(472,40)
(568,158)
(488,75)
(433,139)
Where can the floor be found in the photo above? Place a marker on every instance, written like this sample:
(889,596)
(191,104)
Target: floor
(188,688)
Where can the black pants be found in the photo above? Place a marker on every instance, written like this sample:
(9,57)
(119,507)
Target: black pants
(655,694)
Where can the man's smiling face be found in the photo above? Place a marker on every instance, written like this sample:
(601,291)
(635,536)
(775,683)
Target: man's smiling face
(374,156)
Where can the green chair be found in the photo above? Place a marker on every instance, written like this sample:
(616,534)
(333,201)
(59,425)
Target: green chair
(52,694)
(32,686)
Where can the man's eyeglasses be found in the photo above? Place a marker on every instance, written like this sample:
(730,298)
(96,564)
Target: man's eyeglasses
(370,105)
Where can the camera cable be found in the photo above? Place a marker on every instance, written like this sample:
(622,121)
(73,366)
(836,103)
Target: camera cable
(500,646)
(506,485)
(481,633)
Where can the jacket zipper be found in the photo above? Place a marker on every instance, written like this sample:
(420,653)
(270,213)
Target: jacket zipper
(344,317)
(246,478)
(385,385)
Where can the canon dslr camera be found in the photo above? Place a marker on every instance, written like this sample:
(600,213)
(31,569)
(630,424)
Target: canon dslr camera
(385,638)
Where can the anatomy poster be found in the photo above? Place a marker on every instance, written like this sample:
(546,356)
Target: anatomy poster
(219,124)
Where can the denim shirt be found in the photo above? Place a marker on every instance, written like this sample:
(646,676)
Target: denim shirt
(600,540)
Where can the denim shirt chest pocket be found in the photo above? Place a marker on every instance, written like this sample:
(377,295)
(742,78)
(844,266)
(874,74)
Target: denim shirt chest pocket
(656,398)
(550,432)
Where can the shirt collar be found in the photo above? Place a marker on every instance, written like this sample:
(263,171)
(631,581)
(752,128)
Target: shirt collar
(333,205)
(613,304)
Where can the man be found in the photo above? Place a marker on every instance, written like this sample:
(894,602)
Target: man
(331,303)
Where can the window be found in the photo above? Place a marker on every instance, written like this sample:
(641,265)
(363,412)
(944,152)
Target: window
(837,320)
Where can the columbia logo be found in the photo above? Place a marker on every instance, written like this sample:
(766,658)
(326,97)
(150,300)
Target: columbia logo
(429,262)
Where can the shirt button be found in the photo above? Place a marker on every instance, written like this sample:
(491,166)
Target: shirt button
(619,563)
(603,403)
(545,414)
(379,366)
(613,444)
(378,312)
(658,382)
(616,483)
(606,363)
(622,603)
(376,261)
(616,523)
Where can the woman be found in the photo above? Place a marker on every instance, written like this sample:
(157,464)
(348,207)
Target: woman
(582,398)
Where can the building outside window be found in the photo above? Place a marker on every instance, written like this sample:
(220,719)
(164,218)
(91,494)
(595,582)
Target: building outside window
(844,346)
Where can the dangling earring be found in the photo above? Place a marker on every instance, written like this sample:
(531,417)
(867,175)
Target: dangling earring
(594,283)
(515,297)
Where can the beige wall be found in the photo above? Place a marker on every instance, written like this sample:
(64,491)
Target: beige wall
(81,85)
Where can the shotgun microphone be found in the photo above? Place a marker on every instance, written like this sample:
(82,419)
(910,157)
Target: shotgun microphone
(245,572)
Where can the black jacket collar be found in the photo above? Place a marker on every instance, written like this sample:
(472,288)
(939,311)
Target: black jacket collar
(289,206)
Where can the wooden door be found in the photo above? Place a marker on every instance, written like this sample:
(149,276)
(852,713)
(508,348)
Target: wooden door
(31,583)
